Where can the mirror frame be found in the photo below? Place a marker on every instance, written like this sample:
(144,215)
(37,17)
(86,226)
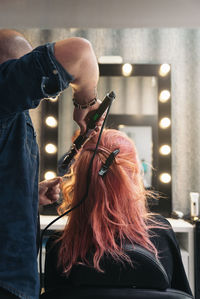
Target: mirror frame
(163,136)
(161,163)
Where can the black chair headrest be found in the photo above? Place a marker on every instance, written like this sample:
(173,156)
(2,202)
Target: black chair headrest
(147,272)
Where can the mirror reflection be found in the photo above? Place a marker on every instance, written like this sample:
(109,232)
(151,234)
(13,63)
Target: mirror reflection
(142,137)
(134,96)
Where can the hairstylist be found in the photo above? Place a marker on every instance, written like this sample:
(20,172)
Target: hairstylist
(26,77)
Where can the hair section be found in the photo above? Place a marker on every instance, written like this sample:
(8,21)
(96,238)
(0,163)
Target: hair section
(115,209)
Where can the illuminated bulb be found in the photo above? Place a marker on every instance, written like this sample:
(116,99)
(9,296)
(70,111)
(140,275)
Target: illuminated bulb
(49,175)
(110,59)
(164,69)
(165,150)
(165,122)
(165,177)
(121,126)
(51,121)
(50,148)
(53,99)
(127,69)
(164,96)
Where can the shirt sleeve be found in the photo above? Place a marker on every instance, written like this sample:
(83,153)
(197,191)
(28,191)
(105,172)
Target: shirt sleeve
(27,80)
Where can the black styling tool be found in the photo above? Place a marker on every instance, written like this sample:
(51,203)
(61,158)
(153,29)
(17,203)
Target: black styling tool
(81,139)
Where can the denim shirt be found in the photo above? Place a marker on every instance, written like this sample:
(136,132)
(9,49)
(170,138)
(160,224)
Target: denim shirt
(23,83)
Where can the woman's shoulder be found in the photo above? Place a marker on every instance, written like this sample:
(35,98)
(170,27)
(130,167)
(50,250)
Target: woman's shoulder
(160,220)
(158,224)
(160,229)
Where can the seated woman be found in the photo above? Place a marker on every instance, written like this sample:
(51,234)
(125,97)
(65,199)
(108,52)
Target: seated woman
(114,214)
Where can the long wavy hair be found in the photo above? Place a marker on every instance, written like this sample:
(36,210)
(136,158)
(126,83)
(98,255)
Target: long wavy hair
(115,209)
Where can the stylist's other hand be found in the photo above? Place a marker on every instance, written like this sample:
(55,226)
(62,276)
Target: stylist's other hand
(49,191)
(81,117)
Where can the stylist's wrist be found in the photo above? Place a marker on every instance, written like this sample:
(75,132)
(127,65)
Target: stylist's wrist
(80,116)
(86,105)
(84,95)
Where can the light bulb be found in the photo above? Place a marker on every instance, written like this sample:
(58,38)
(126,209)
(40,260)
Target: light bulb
(54,99)
(127,69)
(164,96)
(165,122)
(110,59)
(165,178)
(51,121)
(50,148)
(49,175)
(165,150)
(164,69)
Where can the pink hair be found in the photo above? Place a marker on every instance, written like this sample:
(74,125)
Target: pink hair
(115,209)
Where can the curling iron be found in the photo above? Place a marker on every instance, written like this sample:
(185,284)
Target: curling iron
(81,139)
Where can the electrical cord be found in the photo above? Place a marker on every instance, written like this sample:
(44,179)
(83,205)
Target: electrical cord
(78,204)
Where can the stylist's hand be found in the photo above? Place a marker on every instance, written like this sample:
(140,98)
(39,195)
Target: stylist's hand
(81,116)
(49,191)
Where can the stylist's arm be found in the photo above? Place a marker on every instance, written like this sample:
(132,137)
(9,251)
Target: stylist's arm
(77,56)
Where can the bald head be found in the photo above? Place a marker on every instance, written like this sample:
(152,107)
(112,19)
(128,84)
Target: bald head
(12,45)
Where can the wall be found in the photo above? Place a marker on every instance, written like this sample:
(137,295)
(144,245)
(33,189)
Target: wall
(99,13)
(179,47)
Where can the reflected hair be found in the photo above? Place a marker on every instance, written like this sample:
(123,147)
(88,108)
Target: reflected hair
(115,209)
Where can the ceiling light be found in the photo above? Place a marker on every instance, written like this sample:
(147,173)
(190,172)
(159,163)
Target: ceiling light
(110,59)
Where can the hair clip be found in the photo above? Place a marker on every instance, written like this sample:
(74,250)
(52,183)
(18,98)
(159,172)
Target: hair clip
(109,161)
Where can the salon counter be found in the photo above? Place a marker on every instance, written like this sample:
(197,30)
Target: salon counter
(178,225)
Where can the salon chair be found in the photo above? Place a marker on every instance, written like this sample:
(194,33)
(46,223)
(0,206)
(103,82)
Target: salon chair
(147,279)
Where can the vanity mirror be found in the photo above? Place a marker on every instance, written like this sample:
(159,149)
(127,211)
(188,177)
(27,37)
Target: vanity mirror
(142,110)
